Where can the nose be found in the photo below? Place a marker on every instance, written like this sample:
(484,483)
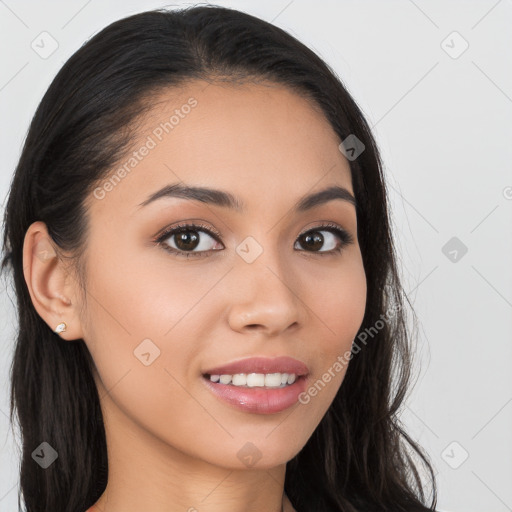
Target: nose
(267,297)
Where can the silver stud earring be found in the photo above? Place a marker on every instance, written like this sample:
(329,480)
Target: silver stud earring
(60,328)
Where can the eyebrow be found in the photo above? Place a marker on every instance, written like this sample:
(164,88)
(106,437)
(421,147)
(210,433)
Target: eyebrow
(227,200)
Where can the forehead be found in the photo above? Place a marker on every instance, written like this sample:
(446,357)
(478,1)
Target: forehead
(261,141)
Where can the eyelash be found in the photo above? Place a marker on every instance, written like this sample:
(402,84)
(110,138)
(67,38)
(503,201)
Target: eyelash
(345,237)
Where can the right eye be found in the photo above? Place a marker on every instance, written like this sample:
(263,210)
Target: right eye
(187,238)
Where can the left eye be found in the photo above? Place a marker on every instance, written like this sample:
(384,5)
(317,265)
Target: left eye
(313,240)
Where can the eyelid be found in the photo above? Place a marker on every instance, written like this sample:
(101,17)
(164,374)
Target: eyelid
(328,224)
(189,224)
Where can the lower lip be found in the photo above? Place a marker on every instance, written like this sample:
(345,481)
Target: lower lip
(258,400)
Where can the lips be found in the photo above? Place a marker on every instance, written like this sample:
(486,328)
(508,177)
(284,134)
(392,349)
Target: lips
(258,400)
(283,364)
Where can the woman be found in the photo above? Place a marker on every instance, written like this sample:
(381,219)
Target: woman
(210,313)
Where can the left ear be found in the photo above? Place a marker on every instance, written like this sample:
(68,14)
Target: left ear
(52,288)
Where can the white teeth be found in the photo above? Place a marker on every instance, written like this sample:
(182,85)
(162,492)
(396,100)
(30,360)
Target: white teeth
(225,379)
(239,379)
(251,380)
(273,380)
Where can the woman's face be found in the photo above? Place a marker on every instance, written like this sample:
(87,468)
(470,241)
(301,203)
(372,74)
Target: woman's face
(156,321)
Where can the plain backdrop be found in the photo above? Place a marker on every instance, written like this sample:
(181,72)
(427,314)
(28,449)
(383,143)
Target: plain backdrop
(434,80)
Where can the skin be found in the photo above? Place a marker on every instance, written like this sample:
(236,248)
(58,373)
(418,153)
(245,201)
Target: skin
(172,444)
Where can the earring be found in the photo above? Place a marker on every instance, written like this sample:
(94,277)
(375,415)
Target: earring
(60,328)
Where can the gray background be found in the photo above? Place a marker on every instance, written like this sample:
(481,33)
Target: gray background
(442,115)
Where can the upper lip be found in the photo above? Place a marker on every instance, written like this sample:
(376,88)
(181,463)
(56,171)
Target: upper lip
(283,364)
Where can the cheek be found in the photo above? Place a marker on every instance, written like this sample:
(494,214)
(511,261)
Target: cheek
(140,297)
(338,301)
(142,333)
(339,307)
(142,322)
